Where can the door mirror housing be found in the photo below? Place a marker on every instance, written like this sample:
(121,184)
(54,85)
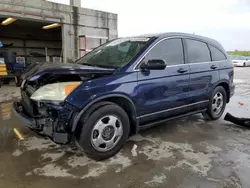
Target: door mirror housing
(154,64)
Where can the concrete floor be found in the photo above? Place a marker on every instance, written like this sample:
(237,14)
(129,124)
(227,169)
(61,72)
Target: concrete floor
(188,152)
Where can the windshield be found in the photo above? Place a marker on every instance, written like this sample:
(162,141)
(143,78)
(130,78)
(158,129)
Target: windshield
(116,53)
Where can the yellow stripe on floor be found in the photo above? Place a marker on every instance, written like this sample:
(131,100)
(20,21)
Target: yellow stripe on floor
(18,134)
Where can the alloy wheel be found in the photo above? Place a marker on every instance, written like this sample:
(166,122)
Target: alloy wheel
(106,133)
(217,103)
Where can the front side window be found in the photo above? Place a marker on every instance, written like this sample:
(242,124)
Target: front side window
(197,51)
(170,50)
(217,55)
(116,53)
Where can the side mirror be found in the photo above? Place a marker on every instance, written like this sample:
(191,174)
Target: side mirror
(154,64)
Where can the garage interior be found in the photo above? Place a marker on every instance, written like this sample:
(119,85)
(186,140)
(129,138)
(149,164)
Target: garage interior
(30,41)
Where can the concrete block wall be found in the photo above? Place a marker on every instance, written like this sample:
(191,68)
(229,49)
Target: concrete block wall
(75,21)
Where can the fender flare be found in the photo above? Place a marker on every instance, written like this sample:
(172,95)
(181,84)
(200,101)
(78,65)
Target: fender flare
(223,82)
(220,82)
(79,115)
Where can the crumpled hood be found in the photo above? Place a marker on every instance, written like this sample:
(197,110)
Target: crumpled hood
(36,71)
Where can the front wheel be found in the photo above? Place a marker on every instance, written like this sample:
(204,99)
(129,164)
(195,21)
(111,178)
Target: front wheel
(6,81)
(217,104)
(104,132)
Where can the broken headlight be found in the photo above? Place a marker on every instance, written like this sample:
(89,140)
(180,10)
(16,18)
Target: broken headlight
(54,92)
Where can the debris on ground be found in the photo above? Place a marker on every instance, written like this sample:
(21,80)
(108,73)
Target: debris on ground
(238,121)
(134,152)
(241,103)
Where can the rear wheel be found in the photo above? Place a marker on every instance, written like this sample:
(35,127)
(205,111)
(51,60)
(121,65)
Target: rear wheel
(104,132)
(217,104)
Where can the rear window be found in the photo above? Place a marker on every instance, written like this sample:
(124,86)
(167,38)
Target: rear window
(197,51)
(217,55)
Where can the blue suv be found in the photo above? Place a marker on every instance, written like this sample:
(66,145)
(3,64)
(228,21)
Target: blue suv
(124,86)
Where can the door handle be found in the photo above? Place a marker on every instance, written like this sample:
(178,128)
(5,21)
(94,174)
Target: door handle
(213,67)
(181,70)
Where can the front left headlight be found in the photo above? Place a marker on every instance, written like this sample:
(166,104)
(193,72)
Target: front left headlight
(54,92)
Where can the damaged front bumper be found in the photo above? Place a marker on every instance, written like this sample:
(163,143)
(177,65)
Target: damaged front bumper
(57,125)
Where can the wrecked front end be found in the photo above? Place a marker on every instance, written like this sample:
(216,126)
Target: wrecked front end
(43,105)
(45,117)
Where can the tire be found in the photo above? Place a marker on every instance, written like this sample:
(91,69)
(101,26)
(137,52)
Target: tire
(18,82)
(92,138)
(211,113)
(6,81)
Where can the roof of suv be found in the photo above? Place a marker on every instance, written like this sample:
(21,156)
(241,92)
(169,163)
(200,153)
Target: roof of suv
(171,34)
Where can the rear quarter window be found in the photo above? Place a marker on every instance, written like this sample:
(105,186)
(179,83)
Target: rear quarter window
(217,55)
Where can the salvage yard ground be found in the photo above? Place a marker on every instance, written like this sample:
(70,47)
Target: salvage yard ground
(188,152)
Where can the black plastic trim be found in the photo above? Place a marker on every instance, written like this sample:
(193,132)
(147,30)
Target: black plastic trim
(77,118)
(146,126)
(20,115)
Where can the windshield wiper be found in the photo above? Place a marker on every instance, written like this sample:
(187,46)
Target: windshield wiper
(98,65)
(106,66)
(88,64)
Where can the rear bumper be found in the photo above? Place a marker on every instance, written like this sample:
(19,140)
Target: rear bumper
(44,126)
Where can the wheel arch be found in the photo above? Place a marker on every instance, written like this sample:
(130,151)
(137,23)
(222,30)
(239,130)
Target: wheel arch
(226,86)
(121,100)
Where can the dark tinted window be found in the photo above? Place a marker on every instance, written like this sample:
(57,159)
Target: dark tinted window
(217,55)
(197,51)
(170,50)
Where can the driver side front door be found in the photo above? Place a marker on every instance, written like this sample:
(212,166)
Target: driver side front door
(164,93)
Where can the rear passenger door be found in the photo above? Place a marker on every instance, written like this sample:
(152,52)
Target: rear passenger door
(165,92)
(203,72)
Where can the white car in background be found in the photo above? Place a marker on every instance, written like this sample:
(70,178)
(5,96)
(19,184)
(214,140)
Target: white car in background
(241,61)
